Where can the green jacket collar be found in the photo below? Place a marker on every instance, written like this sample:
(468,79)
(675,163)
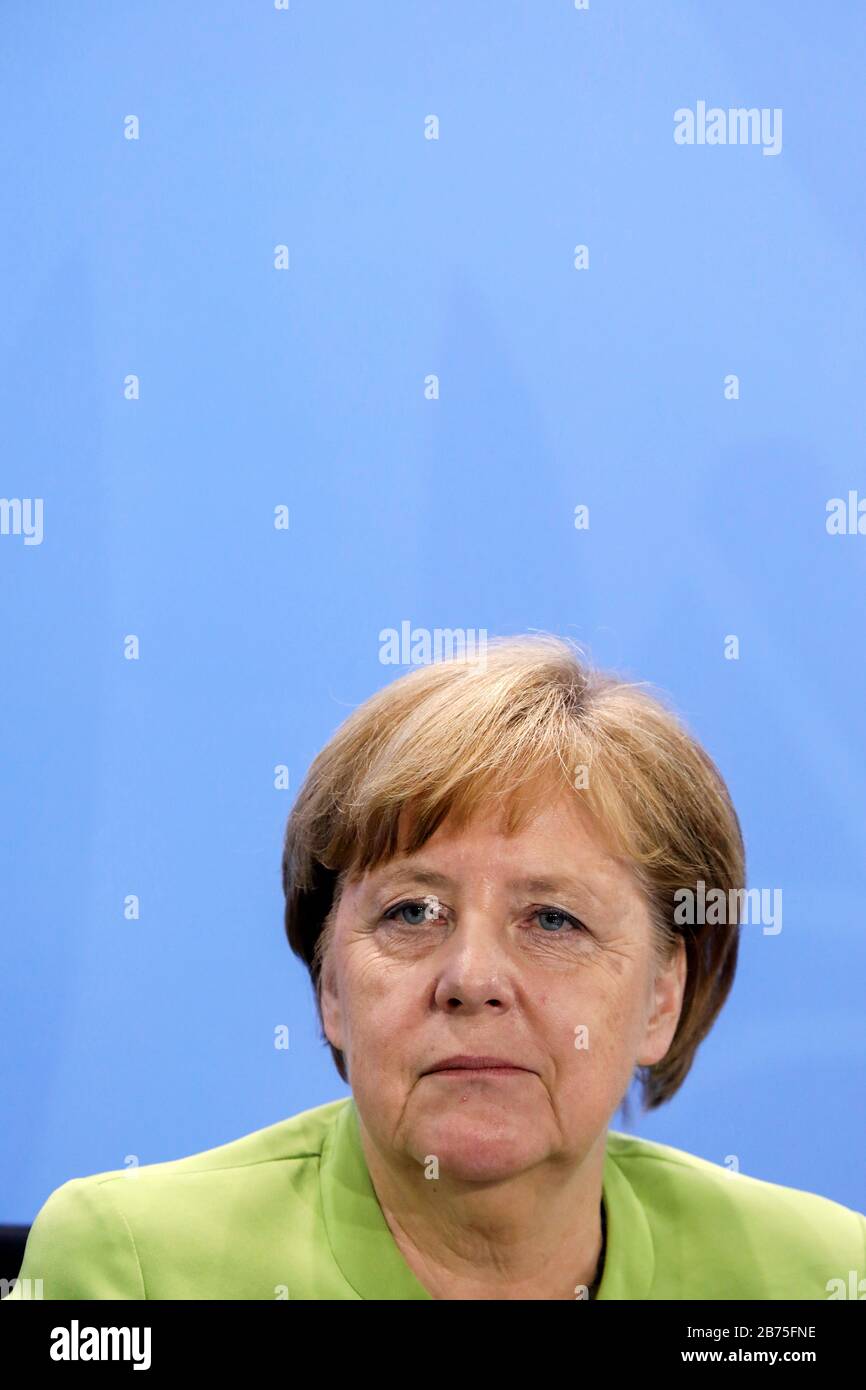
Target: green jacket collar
(361,1241)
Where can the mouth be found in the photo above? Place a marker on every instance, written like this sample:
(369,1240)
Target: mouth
(477,1066)
(463,1072)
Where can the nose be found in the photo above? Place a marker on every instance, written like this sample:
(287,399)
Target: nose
(474,974)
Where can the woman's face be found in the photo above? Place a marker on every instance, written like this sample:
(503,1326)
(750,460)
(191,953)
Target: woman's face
(534,948)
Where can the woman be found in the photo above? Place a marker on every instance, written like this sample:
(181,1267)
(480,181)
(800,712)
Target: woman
(482,872)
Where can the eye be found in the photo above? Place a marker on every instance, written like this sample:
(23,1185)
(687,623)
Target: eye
(552,919)
(426,910)
(560,922)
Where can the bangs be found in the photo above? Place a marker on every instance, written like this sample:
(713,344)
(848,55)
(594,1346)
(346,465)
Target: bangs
(452,739)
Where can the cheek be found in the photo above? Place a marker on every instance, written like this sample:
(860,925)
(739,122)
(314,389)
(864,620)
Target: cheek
(378,995)
(595,1017)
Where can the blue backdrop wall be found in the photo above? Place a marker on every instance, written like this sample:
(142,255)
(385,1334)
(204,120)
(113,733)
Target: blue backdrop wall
(429,278)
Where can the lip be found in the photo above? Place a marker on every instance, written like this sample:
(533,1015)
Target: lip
(465,1062)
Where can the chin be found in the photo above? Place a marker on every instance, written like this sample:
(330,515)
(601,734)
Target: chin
(478,1139)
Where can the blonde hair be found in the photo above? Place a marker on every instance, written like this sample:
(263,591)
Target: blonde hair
(443,738)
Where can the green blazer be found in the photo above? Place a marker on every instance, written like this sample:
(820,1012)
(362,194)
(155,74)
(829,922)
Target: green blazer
(290,1212)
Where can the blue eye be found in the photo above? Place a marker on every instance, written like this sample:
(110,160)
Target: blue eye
(415,904)
(564,916)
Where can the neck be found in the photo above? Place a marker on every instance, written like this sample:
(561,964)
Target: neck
(537,1235)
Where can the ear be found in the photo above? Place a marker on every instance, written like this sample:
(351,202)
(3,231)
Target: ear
(666,1002)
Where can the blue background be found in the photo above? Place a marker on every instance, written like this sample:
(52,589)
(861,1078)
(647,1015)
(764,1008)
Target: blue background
(305,388)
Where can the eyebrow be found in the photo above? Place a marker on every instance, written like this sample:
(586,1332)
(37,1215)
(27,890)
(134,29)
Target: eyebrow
(430,878)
